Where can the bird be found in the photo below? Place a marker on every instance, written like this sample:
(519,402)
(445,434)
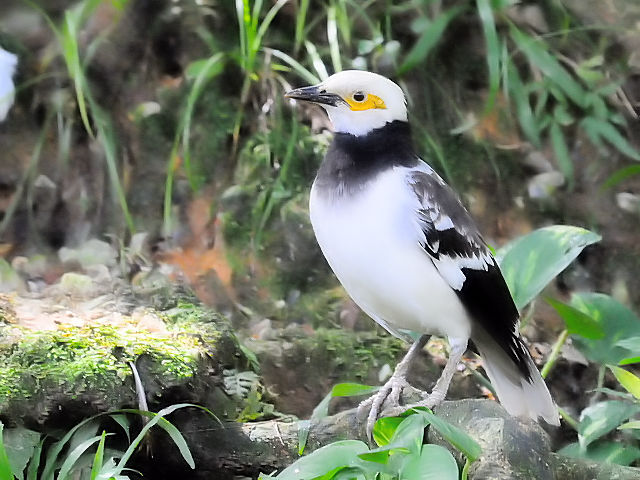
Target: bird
(408,252)
(8,63)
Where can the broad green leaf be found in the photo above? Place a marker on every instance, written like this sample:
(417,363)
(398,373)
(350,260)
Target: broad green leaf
(433,463)
(597,128)
(530,262)
(384,429)
(429,38)
(330,457)
(632,425)
(352,390)
(538,56)
(454,435)
(322,409)
(617,321)
(5,466)
(630,343)
(407,438)
(599,419)
(561,152)
(628,380)
(629,361)
(577,322)
(20,444)
(605,451)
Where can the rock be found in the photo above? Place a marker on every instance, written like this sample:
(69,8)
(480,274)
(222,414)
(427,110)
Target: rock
(92,252)
(58,372)
(512,449)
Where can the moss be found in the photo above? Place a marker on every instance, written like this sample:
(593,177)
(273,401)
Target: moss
(95,358)
(356,354)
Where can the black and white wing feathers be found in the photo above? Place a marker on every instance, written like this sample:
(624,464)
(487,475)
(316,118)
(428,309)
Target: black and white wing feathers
(457,250)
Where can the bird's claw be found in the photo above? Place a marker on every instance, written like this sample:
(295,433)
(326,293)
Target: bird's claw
(388,395)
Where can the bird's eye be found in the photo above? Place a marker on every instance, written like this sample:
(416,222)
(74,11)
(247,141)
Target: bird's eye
(359,96)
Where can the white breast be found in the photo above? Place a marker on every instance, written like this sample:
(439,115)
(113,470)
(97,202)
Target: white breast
(371,240)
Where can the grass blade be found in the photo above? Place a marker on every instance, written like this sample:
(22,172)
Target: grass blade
(98,458)
(561,152)
(617,176)
(5,466)
(332,36)
(74,455)
(428,40)
(301,19)
(540,58)
(297,67)
(485,13)
(597,128)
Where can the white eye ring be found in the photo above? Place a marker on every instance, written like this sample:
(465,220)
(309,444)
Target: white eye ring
(359,97)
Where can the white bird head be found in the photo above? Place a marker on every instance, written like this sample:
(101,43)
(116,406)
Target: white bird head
(356,101)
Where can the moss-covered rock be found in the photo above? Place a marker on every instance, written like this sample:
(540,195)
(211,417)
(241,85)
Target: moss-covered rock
(83,367)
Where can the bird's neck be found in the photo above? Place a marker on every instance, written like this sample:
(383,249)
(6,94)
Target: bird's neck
(354,160)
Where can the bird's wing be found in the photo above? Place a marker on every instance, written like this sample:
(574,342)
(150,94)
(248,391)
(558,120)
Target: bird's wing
(456,248)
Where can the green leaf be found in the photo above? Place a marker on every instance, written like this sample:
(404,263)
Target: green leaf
(629,361)
(384,429)
(632,425)
(597,128)
(523,107)
(617,321)
(5,466)
(322,409)
(454,435)
(20,443)
(174,433)
(530,262)
(621,175)
(352,390)
(628,380)
(433,463)
(98,458)
(577,322)
(609,452)
(429,38)
(561,152)
(72,457)
(330,457)
(599,419)
(538,56)
(34,463)
(407,438)
(485,13)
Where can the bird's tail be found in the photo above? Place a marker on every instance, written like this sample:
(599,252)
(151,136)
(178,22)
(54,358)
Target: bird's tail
(520,396)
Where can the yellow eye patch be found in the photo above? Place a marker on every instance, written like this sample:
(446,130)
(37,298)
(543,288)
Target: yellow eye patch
(372,101)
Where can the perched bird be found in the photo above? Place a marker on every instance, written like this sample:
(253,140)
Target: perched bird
(8,63)
(408,252)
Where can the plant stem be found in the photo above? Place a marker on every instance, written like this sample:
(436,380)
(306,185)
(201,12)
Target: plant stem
(572,422)
(555,353)
(465,469)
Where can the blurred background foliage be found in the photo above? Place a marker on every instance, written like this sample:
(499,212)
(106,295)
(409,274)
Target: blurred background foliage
(160,125)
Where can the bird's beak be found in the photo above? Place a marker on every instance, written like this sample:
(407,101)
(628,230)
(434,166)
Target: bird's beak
(315,94)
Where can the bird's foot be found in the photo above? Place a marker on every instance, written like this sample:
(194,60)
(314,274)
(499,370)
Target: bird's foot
(388,396)
(431,400)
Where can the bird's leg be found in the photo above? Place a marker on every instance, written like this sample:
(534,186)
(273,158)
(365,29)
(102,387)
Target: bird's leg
(391,390)
(439,392)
